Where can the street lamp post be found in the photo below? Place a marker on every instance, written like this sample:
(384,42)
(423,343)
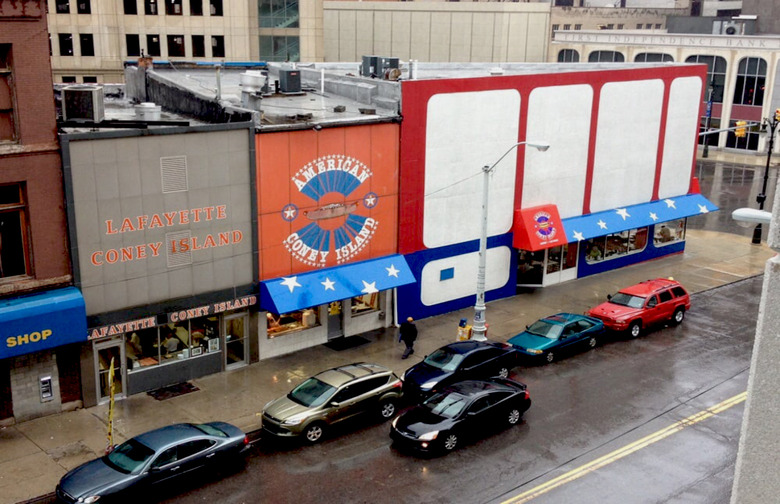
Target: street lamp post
(770,126)
(707,117)
(478,328)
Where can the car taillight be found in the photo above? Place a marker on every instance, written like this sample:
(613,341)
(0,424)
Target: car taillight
(527,395)
(398,384)
(246,440)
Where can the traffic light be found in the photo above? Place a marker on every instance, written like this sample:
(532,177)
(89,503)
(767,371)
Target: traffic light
(741,130)
(777,114)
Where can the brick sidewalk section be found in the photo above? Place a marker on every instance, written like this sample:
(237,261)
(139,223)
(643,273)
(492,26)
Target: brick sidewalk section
(35,454)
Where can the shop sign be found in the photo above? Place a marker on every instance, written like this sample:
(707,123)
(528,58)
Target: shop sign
(538,228)
(121,328)
(140,251)
(336,231)
(211,309)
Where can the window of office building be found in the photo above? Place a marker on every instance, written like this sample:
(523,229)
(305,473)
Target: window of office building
(606,57)
(87,44)
(133,44)
(173,7)
(568,56)
(653,58)
(150,7)
(14,234)
(648,26)
(153,45)
(215,7)
(578,26)
(66,44)
(196,7)
(89,79)
(217,46)
(621,26)
(176,45)
(567,27)
(278,13)
(198,46)
(751,79)
(658,26)
(7,96)
(62,6)
(281,48)
(131,7)
(68,79)
(83,7)
(716,74)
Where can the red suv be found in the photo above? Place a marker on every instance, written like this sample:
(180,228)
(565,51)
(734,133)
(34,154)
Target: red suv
(646,303)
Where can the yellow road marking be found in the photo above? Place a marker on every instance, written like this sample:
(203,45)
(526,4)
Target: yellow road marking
(626,450)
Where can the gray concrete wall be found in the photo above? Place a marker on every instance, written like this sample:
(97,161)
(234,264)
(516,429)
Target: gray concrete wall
(26,372)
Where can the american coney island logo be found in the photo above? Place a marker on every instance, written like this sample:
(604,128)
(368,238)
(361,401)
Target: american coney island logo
(544,227)
(335,231)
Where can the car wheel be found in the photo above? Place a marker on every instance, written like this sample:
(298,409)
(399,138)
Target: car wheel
(450,442)
(593,342)
(678,316)
(514,416)
(387,409)
(635,329)
(549,357)
(503,372)
(314,432)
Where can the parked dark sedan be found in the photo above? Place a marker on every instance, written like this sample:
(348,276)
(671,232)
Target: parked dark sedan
(555,335)
(459,361)
(139,464)
(465,409)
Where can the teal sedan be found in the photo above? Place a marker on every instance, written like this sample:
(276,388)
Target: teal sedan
(558,334)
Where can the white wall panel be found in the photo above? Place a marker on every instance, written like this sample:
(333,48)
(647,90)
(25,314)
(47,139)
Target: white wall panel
(626,143)
(682,125)
(464,282)
(560,116)
(464,132)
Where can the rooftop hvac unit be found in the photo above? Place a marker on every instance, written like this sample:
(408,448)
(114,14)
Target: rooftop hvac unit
(385,64)
(368,68)
(83,103)
(728,28)
(289,81)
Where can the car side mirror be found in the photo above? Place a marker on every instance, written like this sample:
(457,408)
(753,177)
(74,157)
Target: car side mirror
(334,404)
(609,297)
(528,326)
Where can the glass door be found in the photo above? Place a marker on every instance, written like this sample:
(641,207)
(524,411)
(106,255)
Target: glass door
(530,270)
(335,320)
(236,329)
(560,264)
(104,352)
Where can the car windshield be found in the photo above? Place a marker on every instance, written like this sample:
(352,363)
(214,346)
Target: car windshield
(447,405)
(211,430)
(444,359)
(545,329)
(628,300)
(129,456)
(312,392)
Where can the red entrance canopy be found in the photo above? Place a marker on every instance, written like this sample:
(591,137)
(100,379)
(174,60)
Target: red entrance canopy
(538,228)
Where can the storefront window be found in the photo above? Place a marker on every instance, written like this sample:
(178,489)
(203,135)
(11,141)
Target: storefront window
(291,322)
(365,303)
(615,245)
(172,342)
(669,232)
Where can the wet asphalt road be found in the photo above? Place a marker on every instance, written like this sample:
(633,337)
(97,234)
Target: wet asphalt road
(585,406)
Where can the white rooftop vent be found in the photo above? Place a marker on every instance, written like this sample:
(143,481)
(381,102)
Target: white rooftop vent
(253,81)
(83,103)
(148,111)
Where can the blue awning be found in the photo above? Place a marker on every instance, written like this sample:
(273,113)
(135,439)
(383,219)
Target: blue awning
(635,216)
(40,321)
(314,288)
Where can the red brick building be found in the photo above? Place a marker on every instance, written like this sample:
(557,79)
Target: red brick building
(39,313)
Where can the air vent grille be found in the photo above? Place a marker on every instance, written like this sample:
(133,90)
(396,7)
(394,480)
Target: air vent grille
(174,174)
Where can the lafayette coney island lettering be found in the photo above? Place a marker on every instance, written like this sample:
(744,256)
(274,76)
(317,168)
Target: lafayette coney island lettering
(166,219)
(337,227)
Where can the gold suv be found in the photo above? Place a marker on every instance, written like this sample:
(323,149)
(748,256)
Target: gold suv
(330,397)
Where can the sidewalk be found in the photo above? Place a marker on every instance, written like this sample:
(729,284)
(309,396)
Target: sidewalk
(35,454)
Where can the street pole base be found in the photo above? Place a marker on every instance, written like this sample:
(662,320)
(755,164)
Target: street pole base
(757,235)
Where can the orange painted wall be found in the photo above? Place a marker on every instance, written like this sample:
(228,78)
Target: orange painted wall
(346,167)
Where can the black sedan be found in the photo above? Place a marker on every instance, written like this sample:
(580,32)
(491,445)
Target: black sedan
(468,408)
(141,463)
(459,361)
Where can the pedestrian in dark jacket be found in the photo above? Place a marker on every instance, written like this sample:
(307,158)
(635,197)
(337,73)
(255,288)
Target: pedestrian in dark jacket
(407,334)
